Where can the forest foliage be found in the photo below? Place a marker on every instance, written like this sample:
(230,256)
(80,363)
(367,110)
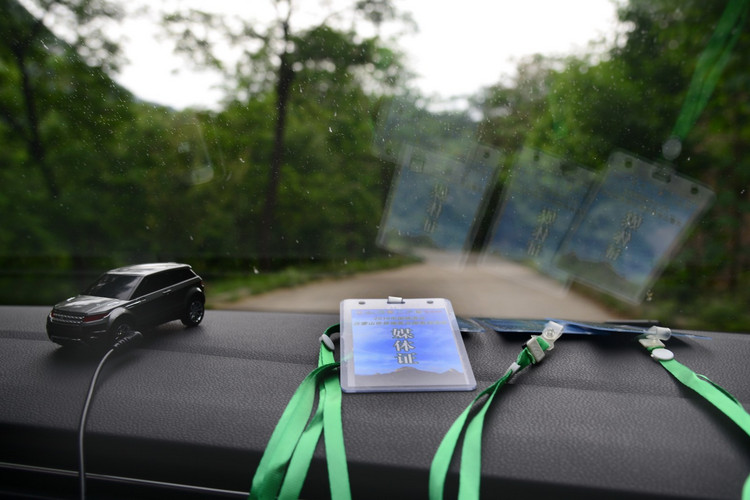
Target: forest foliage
(285,171)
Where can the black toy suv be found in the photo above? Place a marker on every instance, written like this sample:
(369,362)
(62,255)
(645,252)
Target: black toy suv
(133,297)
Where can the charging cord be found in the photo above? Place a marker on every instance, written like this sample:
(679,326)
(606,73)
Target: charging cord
(129,339)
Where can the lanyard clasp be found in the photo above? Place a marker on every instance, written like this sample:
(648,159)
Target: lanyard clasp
(551,332)
(652,340)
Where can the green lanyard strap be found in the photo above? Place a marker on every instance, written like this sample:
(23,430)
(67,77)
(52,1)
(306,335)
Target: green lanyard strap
(710,65)
(284,465)
(710,391)
(471,452)
(707,71)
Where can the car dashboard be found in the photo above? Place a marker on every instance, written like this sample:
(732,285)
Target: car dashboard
(188,414)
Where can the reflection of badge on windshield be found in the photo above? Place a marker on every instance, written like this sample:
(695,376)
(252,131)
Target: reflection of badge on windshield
(633,223)
(540,203)
(435,200)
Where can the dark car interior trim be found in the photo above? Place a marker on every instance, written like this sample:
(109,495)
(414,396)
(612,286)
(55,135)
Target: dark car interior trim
(195,407)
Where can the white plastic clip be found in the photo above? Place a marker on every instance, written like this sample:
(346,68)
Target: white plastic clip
(551,332)
(514,367)
(659,332)
(327,342)
(661,354)
(536,351)
(654,336)
(394,300)
(648,342)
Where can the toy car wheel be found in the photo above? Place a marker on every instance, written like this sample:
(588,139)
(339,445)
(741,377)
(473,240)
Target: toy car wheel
(120,329)
(195,311)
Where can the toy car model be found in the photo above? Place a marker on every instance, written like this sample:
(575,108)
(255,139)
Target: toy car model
(132,297)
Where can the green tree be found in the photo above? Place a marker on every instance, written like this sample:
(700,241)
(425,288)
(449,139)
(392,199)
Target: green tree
(29,48)
(271,59)
(651,73)
(59,112)
(510,110)
(630,97)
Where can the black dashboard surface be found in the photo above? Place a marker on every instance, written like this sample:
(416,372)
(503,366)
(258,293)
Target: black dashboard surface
(189,412)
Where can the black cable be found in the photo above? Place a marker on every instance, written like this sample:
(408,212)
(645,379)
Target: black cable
(129,339)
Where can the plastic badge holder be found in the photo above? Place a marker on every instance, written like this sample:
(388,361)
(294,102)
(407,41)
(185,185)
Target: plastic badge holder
(535,326)
(632,225)
(402,345)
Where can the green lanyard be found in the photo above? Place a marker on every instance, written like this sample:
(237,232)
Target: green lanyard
(534,352)
(283,468)
(710,64)
(471,452)
(708,69)
(710,391)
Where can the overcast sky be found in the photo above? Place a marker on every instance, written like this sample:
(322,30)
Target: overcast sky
(460,45)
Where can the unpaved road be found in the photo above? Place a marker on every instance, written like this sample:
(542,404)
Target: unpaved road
(503,289)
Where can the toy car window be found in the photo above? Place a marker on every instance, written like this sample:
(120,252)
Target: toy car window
(179,275)
(156,282)
(115,286)
(150,284)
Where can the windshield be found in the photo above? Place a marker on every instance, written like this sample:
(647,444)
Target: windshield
(113,286)
(532,159)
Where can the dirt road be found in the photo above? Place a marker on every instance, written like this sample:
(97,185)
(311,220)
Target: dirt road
(503,289)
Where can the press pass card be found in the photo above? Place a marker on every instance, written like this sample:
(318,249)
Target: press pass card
(535,326)
(395,344)
(634,223)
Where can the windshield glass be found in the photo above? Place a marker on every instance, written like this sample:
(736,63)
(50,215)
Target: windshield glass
(532,159)
(114,286)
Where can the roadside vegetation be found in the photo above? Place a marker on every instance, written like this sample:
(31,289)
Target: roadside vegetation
(281,185)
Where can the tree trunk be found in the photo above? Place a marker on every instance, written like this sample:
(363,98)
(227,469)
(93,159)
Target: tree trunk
(33,138)
(268,218)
